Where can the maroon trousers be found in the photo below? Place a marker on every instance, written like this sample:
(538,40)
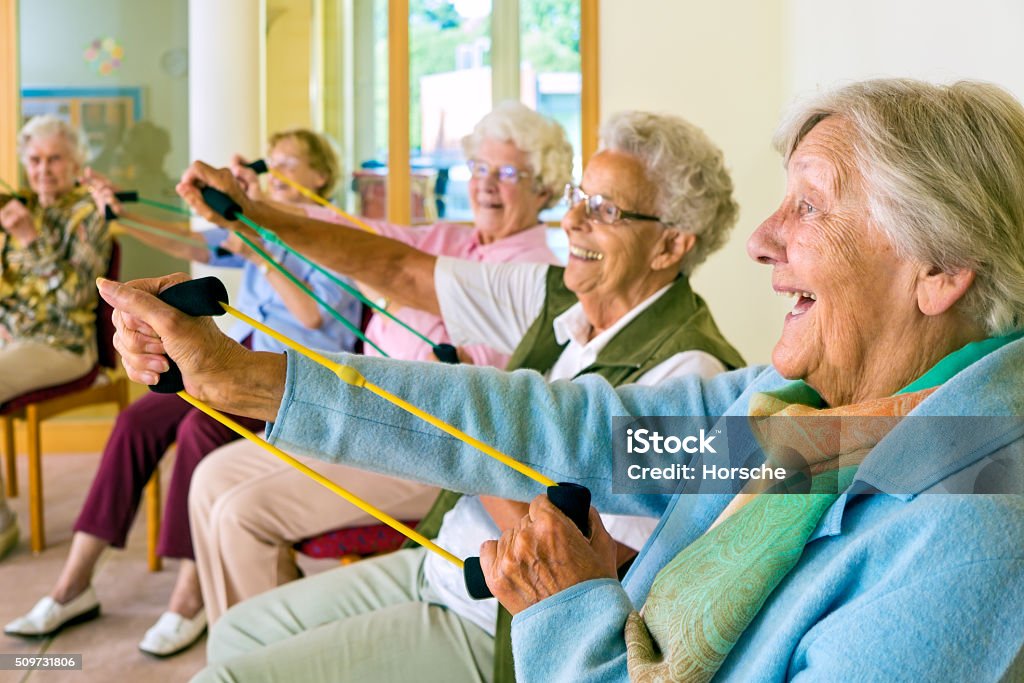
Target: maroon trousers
(142,434)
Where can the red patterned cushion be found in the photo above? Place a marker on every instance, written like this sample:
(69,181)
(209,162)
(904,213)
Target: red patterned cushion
(40,395)
(360,540)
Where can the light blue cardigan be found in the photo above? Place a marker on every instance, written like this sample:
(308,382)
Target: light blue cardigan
(890,587)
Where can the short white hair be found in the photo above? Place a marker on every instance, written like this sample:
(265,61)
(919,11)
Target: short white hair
(692,188)
(943,169)
(541,138)
(48,126)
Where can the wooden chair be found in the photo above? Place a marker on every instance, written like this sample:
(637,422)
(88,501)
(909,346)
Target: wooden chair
(153,512)
(105,383)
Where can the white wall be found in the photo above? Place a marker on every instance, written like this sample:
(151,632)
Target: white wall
(732,66)
(936,40)
(721,66)
(55,33)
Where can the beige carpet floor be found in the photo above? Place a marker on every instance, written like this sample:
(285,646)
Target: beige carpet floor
(131,597)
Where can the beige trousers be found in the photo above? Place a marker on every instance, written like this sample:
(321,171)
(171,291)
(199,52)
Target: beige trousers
(375,620)
(247,508)
(29,365)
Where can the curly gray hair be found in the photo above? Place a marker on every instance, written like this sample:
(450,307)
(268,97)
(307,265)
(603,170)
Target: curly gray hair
(46,126)
(542,139)
(693,188)
(943,168)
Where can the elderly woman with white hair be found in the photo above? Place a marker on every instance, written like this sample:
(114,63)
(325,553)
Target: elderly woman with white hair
(247,510)
(900,237)
(53,246)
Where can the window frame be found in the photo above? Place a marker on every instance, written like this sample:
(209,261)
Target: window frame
(10,106)
(399,197)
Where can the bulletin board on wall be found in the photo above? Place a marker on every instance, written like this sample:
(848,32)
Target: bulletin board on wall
(104,114)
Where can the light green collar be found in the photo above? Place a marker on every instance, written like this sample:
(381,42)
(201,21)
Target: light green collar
(798,392)
(958,360)
(802,393)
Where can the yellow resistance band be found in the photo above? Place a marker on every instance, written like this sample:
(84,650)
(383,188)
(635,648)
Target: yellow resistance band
(313,196)
(351,376)
(323,481)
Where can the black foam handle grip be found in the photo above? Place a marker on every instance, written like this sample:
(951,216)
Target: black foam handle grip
(574,502)
(259,166)
(473,573)
(221,252)
(221,203)
(446,353)
(195,298)
(170,382)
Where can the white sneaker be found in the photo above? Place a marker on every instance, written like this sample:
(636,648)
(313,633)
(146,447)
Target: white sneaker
(173,633)
(49,616)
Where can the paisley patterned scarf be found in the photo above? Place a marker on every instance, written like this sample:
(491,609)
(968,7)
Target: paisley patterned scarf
(701,602)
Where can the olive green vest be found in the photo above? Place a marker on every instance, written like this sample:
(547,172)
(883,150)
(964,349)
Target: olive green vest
(678,321)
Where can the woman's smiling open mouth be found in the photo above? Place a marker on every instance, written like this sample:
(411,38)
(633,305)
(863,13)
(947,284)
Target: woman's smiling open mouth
(803,303)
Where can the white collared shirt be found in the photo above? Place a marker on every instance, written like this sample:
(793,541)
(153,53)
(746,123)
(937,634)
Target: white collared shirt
(497,303)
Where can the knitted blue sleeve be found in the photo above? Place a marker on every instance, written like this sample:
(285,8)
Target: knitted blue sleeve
(562,429)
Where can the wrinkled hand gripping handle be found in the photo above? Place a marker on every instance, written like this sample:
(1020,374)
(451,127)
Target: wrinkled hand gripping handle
(574,502)
(196,298)
(221,203)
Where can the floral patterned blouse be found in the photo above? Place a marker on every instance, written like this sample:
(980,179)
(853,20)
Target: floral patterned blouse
(48,289)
